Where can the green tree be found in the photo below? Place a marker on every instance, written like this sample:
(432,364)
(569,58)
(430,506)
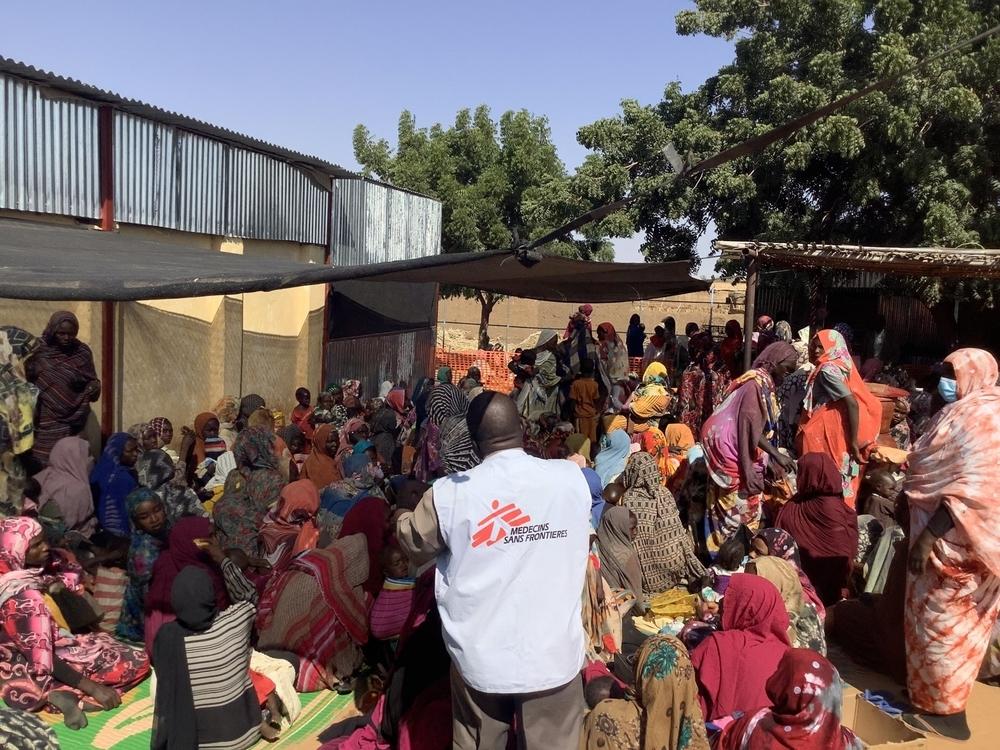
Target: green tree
(498,182)
(915,164)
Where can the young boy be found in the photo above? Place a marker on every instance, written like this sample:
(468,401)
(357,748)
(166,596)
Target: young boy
(302,411)
(585,396)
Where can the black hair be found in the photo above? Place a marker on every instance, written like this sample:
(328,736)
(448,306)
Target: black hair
(691,329)
(587,366)
(597,690)
(32,489)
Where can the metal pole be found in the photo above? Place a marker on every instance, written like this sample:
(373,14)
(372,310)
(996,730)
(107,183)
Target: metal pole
(105,130)
(748,314)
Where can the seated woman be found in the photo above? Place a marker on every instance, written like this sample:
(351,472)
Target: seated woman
(779,543)
(250,491)
(320,467)
(823,525)
(44,667)
(619,561)
(291,527)
(665,712)
(113,478)
(156,473)
(66,482)
(149,536)
(666,550)
(805,629)
(316,609)
(186,546)
(805,694)
(734,664)
(205,694)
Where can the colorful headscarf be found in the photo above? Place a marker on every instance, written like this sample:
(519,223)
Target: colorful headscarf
(668,695)
(806,696)
(159,426)
(291,527)
(16,534)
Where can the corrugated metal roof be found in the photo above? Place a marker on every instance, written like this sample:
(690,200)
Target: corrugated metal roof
(48,153)
(137,107)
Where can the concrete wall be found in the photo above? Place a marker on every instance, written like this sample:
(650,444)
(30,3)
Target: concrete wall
(515,319)
(176,358)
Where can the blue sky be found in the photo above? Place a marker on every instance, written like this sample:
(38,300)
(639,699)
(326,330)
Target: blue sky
(303,74)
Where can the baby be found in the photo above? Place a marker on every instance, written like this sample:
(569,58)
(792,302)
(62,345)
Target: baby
(392,605)
(613,493)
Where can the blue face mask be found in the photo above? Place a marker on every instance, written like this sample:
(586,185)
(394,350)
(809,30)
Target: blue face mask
(948,389)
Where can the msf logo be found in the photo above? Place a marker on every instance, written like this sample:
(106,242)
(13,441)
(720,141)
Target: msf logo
(498,524)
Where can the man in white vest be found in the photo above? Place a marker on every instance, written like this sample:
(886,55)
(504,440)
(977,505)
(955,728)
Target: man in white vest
(511,540)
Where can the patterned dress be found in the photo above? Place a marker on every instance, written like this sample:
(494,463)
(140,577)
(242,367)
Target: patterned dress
(665,548)
(952,605)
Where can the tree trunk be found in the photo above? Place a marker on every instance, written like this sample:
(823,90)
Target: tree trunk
(487,302)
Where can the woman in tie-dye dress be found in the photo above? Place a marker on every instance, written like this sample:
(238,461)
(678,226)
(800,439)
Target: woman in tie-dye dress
(953,585)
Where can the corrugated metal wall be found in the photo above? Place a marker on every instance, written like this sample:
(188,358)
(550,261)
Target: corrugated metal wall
(268,199)
(374,223)
(374,359)
(165,177)
(49,152)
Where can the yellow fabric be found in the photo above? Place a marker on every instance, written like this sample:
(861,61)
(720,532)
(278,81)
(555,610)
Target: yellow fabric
(210,503)
(673,603)
(56,613)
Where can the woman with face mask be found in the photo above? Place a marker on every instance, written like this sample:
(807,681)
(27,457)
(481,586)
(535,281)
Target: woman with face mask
(953,581)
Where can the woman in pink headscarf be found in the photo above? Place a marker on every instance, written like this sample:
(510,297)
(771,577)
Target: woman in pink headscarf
(42,666)
(953,585)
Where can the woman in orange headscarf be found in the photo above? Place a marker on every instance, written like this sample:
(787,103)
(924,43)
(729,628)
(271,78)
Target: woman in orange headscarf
(321,467)
(840,416)
(291,527)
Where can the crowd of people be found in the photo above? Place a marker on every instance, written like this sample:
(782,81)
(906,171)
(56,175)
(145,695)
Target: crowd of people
(598,559)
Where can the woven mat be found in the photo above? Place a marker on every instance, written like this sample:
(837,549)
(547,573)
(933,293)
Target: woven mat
(130,726)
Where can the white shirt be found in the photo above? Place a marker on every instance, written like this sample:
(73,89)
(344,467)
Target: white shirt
(509,585)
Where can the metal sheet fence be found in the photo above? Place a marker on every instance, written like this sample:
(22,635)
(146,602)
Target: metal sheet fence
(374,359)
(48,152)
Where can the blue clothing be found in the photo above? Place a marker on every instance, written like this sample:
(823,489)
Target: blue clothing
(111,483)
(596,496)
(610,462)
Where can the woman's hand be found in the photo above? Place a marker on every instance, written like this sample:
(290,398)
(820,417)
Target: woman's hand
(106,697)
(856,452)
(785,462)
(920,551)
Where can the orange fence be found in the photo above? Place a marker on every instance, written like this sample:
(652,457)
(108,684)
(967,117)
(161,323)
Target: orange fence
(492,365)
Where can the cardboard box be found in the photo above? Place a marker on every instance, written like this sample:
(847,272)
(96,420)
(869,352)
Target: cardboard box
(879,731)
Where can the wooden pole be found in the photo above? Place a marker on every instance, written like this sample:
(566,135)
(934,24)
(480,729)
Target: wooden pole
(749,308)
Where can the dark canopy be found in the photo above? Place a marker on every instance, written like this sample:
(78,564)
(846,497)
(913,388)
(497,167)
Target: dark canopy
(46,262)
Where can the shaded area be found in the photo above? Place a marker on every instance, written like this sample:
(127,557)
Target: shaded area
(45,262)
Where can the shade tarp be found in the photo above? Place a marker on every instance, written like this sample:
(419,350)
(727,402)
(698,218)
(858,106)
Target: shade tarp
(48,262)
(941,262)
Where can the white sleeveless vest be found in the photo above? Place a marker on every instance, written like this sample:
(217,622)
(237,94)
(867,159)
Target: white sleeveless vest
(517,529)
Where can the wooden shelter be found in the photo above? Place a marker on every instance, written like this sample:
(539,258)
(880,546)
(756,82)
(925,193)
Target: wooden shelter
(937,262)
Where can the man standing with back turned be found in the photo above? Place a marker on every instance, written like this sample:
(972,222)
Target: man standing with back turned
(510,537)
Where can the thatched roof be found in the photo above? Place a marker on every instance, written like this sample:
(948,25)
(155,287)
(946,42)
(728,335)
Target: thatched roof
(942,262)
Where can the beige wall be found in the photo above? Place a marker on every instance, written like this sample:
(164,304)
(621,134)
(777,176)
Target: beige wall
(176,358)
(515,319)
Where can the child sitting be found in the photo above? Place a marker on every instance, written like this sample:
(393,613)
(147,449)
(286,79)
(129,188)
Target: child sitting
(392,606)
